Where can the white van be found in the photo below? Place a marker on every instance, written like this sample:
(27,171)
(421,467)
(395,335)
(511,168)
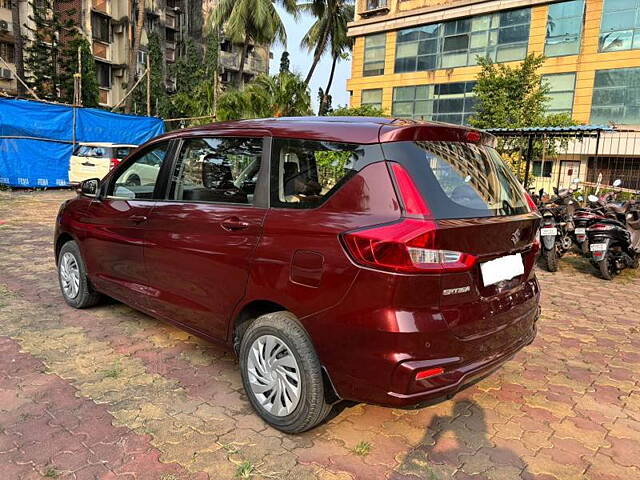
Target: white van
(95,160)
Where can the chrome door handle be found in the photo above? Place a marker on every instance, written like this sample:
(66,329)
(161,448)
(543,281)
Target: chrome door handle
(233,224)
(138,218)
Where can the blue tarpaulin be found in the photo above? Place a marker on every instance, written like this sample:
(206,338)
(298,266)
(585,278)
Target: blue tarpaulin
(36,139)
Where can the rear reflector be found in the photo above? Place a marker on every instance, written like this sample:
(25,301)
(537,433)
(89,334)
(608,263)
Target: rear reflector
(532,205)
(114,162)
(432,372)
(601,226)
(408,246)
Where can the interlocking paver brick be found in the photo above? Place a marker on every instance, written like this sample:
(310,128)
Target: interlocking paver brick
(110,393)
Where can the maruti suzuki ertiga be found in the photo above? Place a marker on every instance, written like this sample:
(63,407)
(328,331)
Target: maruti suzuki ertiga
(364,259)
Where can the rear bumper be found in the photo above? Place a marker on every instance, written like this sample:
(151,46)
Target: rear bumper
(448,384)
(373,354)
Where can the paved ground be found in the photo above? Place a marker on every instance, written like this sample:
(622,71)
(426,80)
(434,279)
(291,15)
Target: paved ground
(109,393)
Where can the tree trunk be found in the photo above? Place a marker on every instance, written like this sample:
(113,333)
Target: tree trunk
(325,97)
(243,58)
(18,53)
(133,53)
(316,58)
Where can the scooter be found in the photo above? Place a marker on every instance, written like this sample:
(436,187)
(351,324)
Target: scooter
(557,225)
(614,241)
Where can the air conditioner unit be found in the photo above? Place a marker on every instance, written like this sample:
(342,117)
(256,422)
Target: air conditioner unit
(6,74)
(118,28)
(118,72)
(4,26)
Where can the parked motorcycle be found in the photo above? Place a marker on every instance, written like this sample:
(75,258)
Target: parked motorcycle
(557,225)
(614,241)
(583,218)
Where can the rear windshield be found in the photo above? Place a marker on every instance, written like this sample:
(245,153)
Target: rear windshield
(460,180)
(89,151)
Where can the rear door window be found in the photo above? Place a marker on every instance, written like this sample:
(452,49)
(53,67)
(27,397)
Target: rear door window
(304,173)
(461,180)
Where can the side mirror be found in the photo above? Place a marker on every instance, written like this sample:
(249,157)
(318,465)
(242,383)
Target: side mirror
(592,198)
(90,186)
(617,182)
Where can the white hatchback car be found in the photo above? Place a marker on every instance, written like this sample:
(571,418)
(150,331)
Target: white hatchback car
(95,160)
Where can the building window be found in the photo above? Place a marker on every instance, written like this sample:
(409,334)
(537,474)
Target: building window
(376,4)
(7,52)
(620,27)
(561,90)
(5,3)
(502,36)
(564,28)
(100,28)
(446,102)
(103,73)
(616,96)
(540,170)
(373,98)
(374,48)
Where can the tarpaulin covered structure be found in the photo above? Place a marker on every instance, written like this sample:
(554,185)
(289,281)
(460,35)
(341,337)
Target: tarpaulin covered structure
(37,139)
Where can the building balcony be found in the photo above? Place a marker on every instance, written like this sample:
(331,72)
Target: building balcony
(104,96)
(231,61)
(101,50)
(171,21)
(170,55)
(102,6)
(371,8)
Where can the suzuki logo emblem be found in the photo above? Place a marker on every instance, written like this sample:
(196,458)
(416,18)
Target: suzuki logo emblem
(515,236)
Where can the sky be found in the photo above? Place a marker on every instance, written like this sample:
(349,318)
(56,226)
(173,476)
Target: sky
(301,61)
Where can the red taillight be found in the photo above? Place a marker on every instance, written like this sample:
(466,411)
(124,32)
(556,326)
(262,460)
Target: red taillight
(432,372)
(408,246)
(113,163)
(473,137)
(414,204)
(532,205)
(601,226)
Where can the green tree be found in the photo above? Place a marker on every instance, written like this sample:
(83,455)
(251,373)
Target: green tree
(159,99)
(328,32)
(69,67)
(285,64)
(516,97)
(513,97)
(330,27)
(361,111)
(247,22)
(42,48)
(133,52)
(284,94)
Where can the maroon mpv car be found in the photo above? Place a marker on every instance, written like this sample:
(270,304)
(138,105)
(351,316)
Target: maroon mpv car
(364,259)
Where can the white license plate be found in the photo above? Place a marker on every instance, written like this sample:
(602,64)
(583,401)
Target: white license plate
(581,231)
(503,268)
(598,247)
(549,231)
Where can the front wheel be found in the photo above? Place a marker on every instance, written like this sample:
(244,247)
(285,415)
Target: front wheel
(551,259)
(72,276)
(281,373)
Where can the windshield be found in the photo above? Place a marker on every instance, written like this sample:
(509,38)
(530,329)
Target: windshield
(462,180)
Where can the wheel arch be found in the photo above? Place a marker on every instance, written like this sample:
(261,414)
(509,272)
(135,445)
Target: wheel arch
(63,238)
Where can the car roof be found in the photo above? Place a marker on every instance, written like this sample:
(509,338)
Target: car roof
(338,129)
(106,144)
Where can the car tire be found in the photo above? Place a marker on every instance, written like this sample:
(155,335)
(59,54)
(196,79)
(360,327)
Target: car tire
(72,277)
(279,337)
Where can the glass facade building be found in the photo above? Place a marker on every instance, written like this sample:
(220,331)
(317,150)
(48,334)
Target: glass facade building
(616,96)
(445,102)
(564,28)
(620,25)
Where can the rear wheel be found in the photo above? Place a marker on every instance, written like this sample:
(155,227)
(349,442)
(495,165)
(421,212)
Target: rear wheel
(551,258)
(281,373)
(72,276)
(584,247)
(607,267)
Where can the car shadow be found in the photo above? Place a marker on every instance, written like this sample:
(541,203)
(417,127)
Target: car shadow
(460,443)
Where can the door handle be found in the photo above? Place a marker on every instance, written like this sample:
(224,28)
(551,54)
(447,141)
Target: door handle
(138,218)
(233,224)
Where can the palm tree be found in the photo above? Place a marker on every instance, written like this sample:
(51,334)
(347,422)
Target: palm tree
(328,31)
(250,21)
(340,43)
(281,95)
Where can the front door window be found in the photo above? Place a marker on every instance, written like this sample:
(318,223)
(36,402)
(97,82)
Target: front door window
(138,180)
